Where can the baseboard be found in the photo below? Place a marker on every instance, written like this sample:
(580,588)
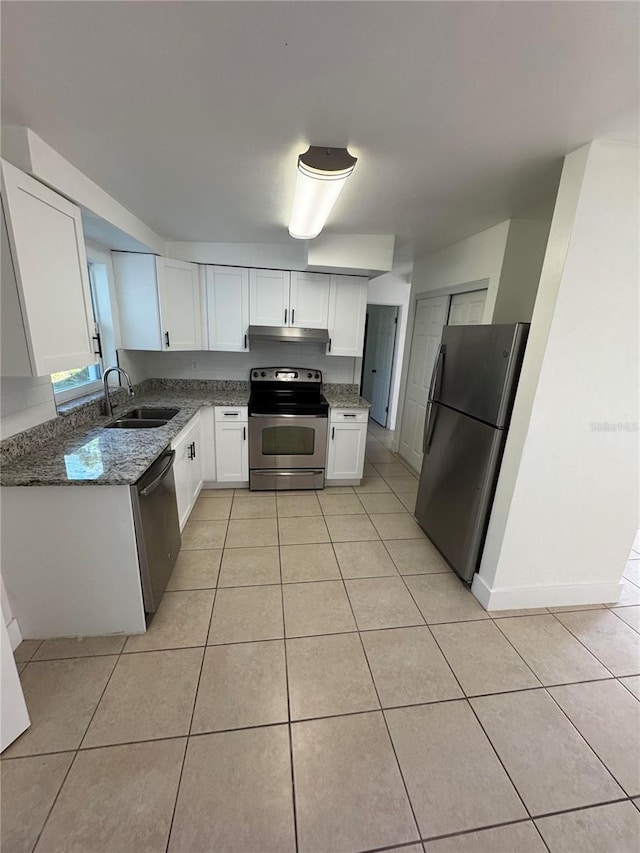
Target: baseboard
(333,483)
(544,596)
(213,484)
(15,634)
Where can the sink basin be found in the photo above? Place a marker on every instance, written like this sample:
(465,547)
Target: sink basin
(143,419)
(149,414)
(136,423)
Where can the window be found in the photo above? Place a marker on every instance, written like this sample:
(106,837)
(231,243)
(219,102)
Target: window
(79,381)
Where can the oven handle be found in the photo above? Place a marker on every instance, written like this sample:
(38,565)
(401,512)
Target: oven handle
(254,415)
(274,472)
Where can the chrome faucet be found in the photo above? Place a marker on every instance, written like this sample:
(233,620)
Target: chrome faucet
(108,411)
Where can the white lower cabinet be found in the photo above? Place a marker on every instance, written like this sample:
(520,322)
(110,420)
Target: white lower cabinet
(347,441)
(232,444)
(187,468)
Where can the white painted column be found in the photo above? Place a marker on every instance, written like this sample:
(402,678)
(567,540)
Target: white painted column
(566,507)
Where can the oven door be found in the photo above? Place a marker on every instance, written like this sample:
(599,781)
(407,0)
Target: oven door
(287,441)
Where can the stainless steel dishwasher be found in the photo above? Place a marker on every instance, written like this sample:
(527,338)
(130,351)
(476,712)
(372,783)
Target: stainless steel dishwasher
(155,515)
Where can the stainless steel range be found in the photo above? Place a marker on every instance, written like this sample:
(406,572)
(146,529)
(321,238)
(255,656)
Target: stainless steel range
(288,423)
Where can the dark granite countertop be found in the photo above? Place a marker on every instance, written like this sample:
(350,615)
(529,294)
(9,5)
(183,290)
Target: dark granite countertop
(345,397)
(91,455)
(84,453)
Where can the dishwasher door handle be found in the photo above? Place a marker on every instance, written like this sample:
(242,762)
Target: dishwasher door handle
(155,483)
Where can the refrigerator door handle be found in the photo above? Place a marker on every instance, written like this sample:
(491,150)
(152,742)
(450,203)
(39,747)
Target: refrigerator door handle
(429,423)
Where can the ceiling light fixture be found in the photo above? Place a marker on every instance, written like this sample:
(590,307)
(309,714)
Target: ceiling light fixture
(322,173)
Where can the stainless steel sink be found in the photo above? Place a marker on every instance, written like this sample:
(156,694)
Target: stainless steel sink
(132,423)
(152,414)
(143,418)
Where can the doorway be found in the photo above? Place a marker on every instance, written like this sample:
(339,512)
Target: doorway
(377,364)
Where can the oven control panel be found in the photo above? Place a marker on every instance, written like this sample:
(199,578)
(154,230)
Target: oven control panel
(286,374)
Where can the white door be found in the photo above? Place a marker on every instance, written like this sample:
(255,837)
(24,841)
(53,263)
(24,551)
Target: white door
(347,312)
(309,300)
(379,364)
(195,468)
(179,298)
(227,301)
(14,716)
(50,264)
(345,459)
(467,309)
(232,452)
(269,297)
(430,318)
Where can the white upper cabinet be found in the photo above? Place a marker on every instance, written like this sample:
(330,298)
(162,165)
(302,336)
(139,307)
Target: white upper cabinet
(227,308)
(347,312)
(179,299)
(309,300)
(158,301)
(47,320)
(269,297)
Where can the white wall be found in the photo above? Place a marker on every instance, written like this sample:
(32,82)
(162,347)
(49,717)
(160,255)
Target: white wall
(566,506)
(24,403)
(388,289)
(521,268)
(236,365)
(477,257)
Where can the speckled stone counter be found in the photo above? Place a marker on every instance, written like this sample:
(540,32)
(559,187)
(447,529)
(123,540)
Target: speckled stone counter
(89,454)
(75,449)
(345,397)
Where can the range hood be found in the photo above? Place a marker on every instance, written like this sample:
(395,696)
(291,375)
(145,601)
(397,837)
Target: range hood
(289,333)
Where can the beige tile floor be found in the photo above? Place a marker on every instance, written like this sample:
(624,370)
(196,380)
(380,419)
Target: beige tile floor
(318,680)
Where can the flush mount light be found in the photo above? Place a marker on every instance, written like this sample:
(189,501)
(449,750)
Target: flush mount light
(322,172)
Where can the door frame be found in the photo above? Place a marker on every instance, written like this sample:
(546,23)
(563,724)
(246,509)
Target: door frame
(451,290)
(394,354)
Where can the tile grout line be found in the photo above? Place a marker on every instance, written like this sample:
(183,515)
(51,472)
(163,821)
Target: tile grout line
(77,749)
(573,634)
(286,675)
(195,697)
(380,709)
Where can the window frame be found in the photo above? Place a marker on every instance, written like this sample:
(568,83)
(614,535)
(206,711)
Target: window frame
(94,385)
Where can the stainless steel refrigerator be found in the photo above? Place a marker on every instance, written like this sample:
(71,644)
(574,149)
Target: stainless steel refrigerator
(469,406)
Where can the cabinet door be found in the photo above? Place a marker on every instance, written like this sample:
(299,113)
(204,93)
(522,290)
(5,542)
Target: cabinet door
(347,311)
(269,297)
(309,300)
(47,248)
(182,475)
(227,307)
(346,451)
(196,460)
(179,298)
(137,293)
(232,452)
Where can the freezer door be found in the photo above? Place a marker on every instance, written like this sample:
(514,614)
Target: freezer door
(479,368)
(459,470)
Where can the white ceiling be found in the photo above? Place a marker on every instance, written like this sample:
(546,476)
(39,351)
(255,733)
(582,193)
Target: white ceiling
(192,114)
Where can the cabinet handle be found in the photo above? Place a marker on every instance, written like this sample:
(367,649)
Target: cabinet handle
(193,449)
(348,416)
(190,451)
(96,338)
(166,337)
(329,344)
(333,433)
(244,433)
(245,341)
(231,414)
(374,371)
(285,316)
(293,314)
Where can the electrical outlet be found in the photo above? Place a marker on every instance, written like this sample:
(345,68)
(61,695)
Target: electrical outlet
(194,365)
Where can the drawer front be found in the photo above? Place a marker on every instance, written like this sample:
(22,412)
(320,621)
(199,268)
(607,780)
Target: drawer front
(349,415)
(231,413)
